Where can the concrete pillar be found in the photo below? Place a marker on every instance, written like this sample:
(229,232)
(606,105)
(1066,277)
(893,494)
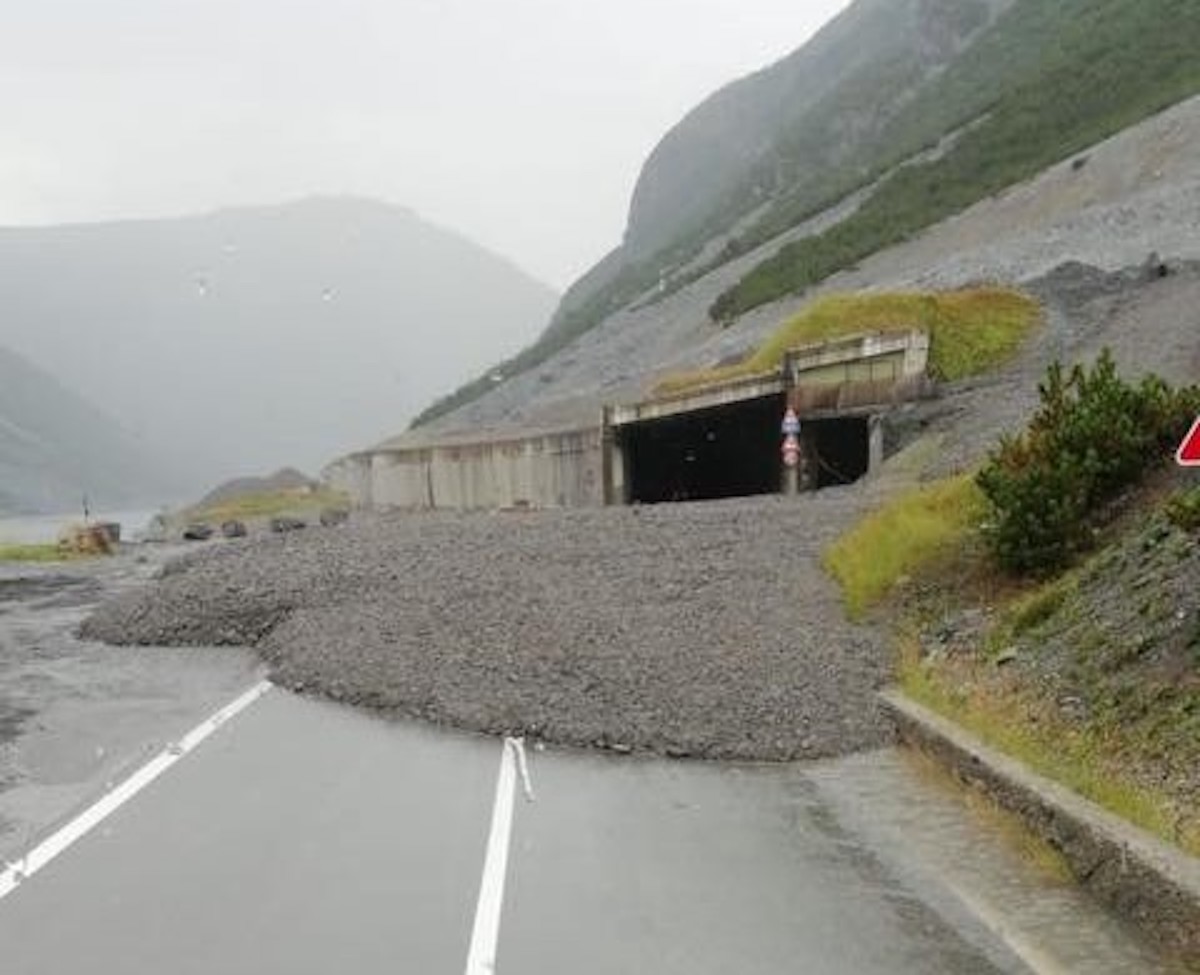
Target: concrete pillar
(791,481)
(874,444)
(615,488)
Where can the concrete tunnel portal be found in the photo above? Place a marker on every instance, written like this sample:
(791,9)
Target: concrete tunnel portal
(733,450)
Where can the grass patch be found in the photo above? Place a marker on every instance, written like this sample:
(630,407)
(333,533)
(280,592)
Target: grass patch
(902,537)
(1035,607)
(268,504)
(1079,756)
(1183,510)
(35,553)
(972,331)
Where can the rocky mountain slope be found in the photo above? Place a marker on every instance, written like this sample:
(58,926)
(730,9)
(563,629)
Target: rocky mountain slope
(783,130)
(1136,193)
(252,339)
(55,448)
(895,118)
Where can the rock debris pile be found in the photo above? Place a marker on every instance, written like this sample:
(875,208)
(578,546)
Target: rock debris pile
(703,630)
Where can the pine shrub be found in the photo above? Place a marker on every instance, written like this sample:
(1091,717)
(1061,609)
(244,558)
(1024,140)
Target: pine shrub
(1093,436)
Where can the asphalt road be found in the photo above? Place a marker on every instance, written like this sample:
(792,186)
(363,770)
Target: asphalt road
(302,837)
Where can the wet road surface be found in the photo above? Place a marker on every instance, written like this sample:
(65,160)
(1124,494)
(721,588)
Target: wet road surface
(76,716)
(303,837)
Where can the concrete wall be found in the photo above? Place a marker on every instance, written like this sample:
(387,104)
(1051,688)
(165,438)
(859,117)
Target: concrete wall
(583,467)
(563,468)
(351,475)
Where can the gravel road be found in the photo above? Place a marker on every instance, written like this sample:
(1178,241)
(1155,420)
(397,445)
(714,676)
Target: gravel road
(705,630)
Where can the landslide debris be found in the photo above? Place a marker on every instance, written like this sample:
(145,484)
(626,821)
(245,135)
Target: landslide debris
(703,630)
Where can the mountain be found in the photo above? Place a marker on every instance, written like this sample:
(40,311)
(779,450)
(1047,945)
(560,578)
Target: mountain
(896,116)
(785,131)
(259,338)
(55,448)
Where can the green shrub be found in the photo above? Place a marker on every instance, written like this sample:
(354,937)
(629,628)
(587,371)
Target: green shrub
(1093,436)
(1183,510)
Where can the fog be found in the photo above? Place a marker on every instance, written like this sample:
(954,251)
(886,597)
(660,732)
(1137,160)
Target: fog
(367,148)
(261,337)
(520,123)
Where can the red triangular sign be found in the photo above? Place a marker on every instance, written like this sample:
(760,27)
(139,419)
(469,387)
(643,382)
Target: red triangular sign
(1188,454)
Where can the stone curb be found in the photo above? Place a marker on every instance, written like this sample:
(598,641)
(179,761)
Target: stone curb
(1143,879)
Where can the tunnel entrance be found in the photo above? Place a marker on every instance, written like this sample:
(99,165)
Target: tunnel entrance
(733,450)
(841,448)
(727,451)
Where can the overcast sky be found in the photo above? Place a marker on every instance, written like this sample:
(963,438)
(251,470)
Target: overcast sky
(521,123)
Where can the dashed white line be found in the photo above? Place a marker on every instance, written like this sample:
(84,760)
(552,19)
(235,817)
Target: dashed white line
(89,819)
(485,935)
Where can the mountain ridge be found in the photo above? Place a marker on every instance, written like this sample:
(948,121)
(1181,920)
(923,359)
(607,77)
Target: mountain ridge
(56,448)
(263,336)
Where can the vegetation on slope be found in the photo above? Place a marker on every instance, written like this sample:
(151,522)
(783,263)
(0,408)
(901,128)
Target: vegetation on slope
(787,142)
(13,552)
(1088,668)
(267,504)
(898,539)
(972,331)
(1090,440)
(1078,71)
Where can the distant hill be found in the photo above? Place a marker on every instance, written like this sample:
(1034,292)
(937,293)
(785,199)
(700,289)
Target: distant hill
(897,115)
(287,479)
(55,448)
(257,338)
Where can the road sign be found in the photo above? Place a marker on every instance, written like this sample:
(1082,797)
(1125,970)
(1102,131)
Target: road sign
(791,450)
(1188,454)
(791,423)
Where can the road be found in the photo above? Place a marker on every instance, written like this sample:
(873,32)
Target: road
(303,837)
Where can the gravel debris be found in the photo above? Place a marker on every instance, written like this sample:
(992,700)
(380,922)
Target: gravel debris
(696,630)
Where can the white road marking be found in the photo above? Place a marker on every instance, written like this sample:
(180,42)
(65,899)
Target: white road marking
(485,935)
(518,746)
(37,858)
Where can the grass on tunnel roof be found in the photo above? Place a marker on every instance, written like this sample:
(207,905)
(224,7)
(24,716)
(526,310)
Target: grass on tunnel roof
(972,331)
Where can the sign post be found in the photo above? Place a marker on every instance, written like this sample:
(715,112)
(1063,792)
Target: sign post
(1188,454)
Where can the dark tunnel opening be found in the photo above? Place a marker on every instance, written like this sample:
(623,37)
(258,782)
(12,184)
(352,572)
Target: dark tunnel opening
(842,450)
(733,451)
(726,451)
